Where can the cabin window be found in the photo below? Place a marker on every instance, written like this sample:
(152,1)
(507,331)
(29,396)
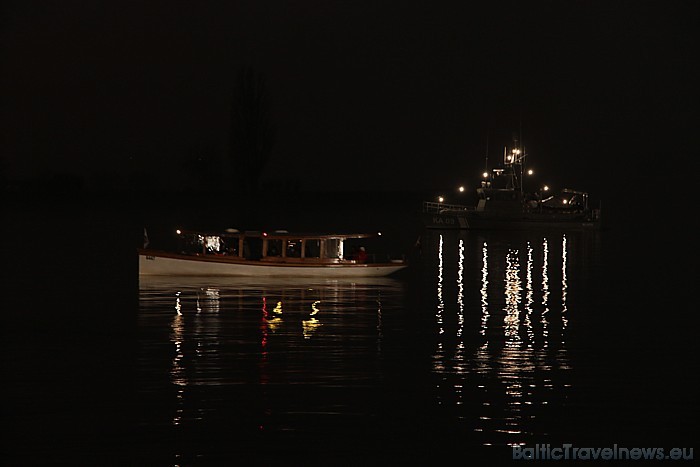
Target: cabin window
(212,244)
(230,246)
(274,248)
(312,248)
(293,248)
(191,244)
(252,248)
(333,248)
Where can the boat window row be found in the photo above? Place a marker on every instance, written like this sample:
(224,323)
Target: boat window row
(260,247)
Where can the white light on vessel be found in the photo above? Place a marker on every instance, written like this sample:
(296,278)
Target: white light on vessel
(212,242)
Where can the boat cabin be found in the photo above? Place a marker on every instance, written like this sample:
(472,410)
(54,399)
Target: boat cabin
(277,246)
(567,200)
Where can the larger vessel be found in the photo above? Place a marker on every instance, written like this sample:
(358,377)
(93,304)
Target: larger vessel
(503,204)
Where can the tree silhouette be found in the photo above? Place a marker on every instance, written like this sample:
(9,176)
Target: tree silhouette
(252,133)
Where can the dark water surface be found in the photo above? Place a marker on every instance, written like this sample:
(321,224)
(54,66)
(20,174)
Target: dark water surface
(489,340)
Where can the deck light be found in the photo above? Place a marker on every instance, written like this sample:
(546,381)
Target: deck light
(440,199)
(461,189)
(530,172)
(178,231)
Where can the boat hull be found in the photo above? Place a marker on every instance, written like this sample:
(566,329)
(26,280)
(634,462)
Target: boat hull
(153,263)
(473,220)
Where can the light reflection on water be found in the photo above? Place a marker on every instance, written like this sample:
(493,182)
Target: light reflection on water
(268,336)
(516,364)
(307,356)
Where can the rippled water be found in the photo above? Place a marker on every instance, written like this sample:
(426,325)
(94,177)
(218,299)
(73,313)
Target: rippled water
(271,360)
(501,325)
(473,346)
(490,340)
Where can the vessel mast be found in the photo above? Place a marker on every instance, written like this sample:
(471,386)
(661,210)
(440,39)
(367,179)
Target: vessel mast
(486,164)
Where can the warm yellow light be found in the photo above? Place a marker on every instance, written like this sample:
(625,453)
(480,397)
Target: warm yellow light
(178,231)
(461,189)
(440,199)
(274,323)
(530,172)
(309,326)
(314,307)
(485,174)
(563,201)
(545,188)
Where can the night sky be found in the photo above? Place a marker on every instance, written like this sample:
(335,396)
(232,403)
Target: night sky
(363,95)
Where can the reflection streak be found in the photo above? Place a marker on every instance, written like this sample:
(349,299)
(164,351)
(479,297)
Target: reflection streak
(564,287)
(529,300)
(439,354)
(309,326)
(545,291)
(441,302)
(512,382)
(177,371)
(512,298)
(484,291)
(460,290)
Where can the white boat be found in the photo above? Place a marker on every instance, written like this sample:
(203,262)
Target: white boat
(276,254)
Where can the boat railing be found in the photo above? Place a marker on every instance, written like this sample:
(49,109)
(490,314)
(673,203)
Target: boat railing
(432,207)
